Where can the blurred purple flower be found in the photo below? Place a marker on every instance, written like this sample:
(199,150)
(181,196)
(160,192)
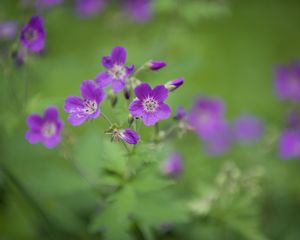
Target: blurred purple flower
(46,129)
(33,34)
(89,8)
(247,128)
(289,144)
(207,117)
(172,166)
(42,4)
(149,104)
(82,109)
(156,65)
(140,10)
(174,84)
(287,82)
(180,113)
(293,120)
(130,136)
(8,30)
(117,72)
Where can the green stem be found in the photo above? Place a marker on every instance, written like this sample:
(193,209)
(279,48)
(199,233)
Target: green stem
(107,119)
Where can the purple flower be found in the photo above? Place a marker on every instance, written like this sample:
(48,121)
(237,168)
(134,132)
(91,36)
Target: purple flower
(140,10)
(8,30)
(180,113)
(46,129)
(247,128)
(42,4)
(289,145)
(33,34)
(287,82)
(128,135)
(174,84)
(293,120)
(117,72)
(149,104)
(207,117)
(82,109)
(172,166)
(156,65)
(88,8)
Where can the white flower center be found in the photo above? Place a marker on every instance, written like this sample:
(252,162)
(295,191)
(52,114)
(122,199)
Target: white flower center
(150,104)
(90,106)
(49,129)
(117,72)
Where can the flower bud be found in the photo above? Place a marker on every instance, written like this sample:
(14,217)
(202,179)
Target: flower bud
(126,93)
(180,113)
(172,166)
(174,84)
(156,65)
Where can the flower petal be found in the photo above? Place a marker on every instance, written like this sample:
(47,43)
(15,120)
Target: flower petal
(51,142)
(107,62)
(73,104)
(142,91)
(95,114)
(118,85)
(118,55)
(160,93)
(129,70)
(34,121)
(163,111)
(130,136)
(103,79)
(51,114)
(87,89)
(76,119)
(33,136)
(136,108)
(150,118)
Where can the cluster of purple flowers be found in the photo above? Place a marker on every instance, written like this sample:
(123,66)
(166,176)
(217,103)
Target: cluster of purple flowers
(207,119)
(287,86)
(148,105)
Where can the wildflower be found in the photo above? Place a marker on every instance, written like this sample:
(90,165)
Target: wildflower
(46,129)
(172,166)
(128,135)
(8,30)
(174,84)
(287,82)
(149,104)
(89,8)
(156,65)
(207,117)
(140,10)
(293,120)
(82,109)
(180,113)
(289,144)
(33,34)
(117,72)
(247,128)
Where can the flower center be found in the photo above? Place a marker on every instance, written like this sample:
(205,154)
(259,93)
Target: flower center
(49,129)
(90,106)
(150,104)
(31,34)
(117,72)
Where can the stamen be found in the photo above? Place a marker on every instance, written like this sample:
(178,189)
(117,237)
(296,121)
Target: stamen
(117,72)
(150,104)
(90,106)
(49,129)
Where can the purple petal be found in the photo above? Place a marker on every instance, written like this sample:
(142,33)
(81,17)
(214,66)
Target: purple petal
(107,62)
(142,91)
(156,65)
(89,90)
(129,70)
(163,111)
(130,136)
(150,118)
(89,8)
(118,85)
(173,165)
(136,108)
(118,55)
(76,119)
(73,104)
(51,114)
(51,142)
(33,136)
(95,114)
(160,93)
(289,146)
(34,121)
(103,79)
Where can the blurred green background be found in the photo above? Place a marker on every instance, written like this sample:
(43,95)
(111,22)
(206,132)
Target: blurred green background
(222,48)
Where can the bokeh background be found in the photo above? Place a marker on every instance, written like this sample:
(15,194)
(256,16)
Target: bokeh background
(226,49)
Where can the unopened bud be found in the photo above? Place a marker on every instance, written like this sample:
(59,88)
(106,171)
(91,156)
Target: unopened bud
(156,65)
(174,84)
(126,93)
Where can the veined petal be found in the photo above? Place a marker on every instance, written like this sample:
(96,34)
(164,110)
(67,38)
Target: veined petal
(150,118)
(103,79)
(160,93)
(130,136)
(76,118)
(118,55)
(163,111)
(118,85)
(136,108)
(107,62)
(73,104)
(142,91)
(87,89)
(129,70)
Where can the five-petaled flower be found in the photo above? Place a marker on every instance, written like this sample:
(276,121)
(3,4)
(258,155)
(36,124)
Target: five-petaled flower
(82,109)
(117,72)
(33,34)
(149,104)
(46,129)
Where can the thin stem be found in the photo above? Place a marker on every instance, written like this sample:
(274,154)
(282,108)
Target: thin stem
(156,133)
(106,119)
(126,147)
(140,69)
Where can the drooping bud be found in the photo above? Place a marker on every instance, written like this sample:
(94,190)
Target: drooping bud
(172,166)
(126,93)
(156,65)
(130,136)
(174,84)
(180,113)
